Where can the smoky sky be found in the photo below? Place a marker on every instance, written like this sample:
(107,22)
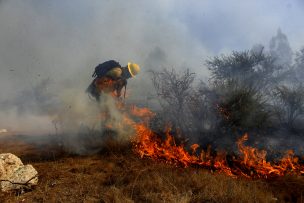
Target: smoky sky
(235,25)
(61,41)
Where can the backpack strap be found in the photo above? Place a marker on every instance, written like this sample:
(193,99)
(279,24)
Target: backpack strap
(125,90)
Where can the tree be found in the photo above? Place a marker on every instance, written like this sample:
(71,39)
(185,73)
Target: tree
(202,108)
(174,90)
(298,67)
(240,107)
(251,68)
(280,49)
(300,58)
(289,104)
(173,87)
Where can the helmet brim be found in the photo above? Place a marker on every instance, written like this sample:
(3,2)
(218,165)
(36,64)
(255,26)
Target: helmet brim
(129,69)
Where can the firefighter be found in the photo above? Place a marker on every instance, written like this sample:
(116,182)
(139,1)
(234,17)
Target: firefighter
(110,78)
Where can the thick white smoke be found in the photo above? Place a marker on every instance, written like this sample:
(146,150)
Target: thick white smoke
(48,50)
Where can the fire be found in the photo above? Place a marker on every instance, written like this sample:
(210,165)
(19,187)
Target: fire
(250,163)
(142,112)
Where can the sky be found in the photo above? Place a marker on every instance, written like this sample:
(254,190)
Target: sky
(237,25)
(61,41)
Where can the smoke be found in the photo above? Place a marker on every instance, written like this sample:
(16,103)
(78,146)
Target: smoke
(48,51)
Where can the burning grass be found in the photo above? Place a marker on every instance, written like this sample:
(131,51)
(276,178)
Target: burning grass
(117,175)
(250,163)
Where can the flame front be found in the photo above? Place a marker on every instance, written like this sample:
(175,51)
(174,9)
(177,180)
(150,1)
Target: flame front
(250,163)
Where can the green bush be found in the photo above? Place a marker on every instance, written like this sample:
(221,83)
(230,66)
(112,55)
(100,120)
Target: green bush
(241,107)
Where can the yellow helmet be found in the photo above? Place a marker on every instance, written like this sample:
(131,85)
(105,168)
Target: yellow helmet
(133,68)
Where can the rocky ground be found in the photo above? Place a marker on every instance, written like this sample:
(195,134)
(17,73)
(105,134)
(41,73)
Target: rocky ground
(115,174)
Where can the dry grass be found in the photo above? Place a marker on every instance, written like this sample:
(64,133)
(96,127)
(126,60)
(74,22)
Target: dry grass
(117,175)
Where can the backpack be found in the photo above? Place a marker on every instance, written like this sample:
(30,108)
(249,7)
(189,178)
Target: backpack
(104,67)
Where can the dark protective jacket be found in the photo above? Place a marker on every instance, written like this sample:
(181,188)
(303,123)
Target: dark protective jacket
(109,78)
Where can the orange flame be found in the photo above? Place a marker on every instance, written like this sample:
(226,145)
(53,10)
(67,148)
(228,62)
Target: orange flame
(251,162)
